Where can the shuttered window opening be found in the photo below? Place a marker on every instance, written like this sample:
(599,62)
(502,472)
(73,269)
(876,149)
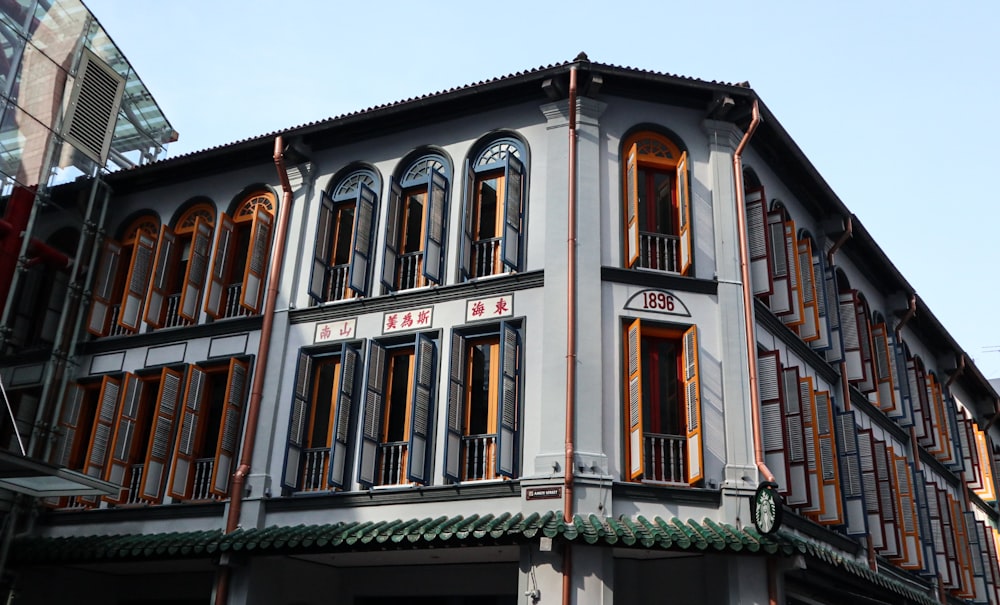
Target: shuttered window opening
(483,434)
(123,279)
(415,226)
(495,211)
(93,108)
(345,233)
(397,412)
(320,434)
(663,423)
(240,262)
(209,430)
(656,211)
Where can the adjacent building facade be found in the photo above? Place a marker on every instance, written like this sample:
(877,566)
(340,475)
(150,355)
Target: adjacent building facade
(537,339)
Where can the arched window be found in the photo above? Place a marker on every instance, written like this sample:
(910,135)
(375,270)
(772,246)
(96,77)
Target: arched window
(415,225)
(657,213)
(180,268)
(344,237)
(242,249)
(123,279)
(494,214)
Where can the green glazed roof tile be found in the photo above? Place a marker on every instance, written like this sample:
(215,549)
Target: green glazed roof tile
(473,530)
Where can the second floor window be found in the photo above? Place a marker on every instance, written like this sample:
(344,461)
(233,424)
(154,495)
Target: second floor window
(180,268)
(242,250)
(342,260)
(657,211)
(493,231)
(415,226)
(123,275)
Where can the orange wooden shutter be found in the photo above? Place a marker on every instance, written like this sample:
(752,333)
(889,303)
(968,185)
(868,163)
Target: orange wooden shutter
(232,422)
(124,444)
(100,436)
(164,267)
(138,281)
(100,304)
(692,400)
(161,434)
(190,435)
(760,260)
(222,267)
(633,400)
(684,212)
(632,207)
(194,275)
(258,253)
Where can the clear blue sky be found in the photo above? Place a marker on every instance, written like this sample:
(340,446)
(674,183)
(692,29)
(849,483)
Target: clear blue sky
(892,101)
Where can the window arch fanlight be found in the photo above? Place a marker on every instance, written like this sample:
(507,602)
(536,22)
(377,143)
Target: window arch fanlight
(348,185)
(242,250)
(196,209)
(497,151)
(345,235)
(495,208)
(657,204)
(416,216)
(423,165)
(120,288)
(180,267)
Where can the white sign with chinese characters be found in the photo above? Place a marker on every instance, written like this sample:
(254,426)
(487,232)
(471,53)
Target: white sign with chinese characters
(477,309)
(411,319)
(342,329)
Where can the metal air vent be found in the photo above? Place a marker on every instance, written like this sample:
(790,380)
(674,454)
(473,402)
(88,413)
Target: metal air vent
(93,108)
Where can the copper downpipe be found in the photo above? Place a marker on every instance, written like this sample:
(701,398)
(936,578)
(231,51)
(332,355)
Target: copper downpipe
(911,310)
(748,318)
(848,231)
(257,386)
(567,575)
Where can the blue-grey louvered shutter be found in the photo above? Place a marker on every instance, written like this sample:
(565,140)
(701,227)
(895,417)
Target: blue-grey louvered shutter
(835,353)
(851,484)
(392,225)
(456,405)
(421,408)
(291,476)
(507,433)
(364,231)
(437,213)
(319,282)
(372,422)
(339,444)
(512,212)
(465,262)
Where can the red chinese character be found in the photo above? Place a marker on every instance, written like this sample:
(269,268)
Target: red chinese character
(501,306)
(324,332)
(423,317)
(478,308)
(345,330)
(407,320)
(390,322)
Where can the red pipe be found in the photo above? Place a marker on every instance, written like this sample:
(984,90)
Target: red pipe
(748,317)
(911,310)
(567,578)
(848,231)
(257,387)
(958,371)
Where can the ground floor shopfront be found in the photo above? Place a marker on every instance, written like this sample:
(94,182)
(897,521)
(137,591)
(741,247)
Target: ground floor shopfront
(478,560)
